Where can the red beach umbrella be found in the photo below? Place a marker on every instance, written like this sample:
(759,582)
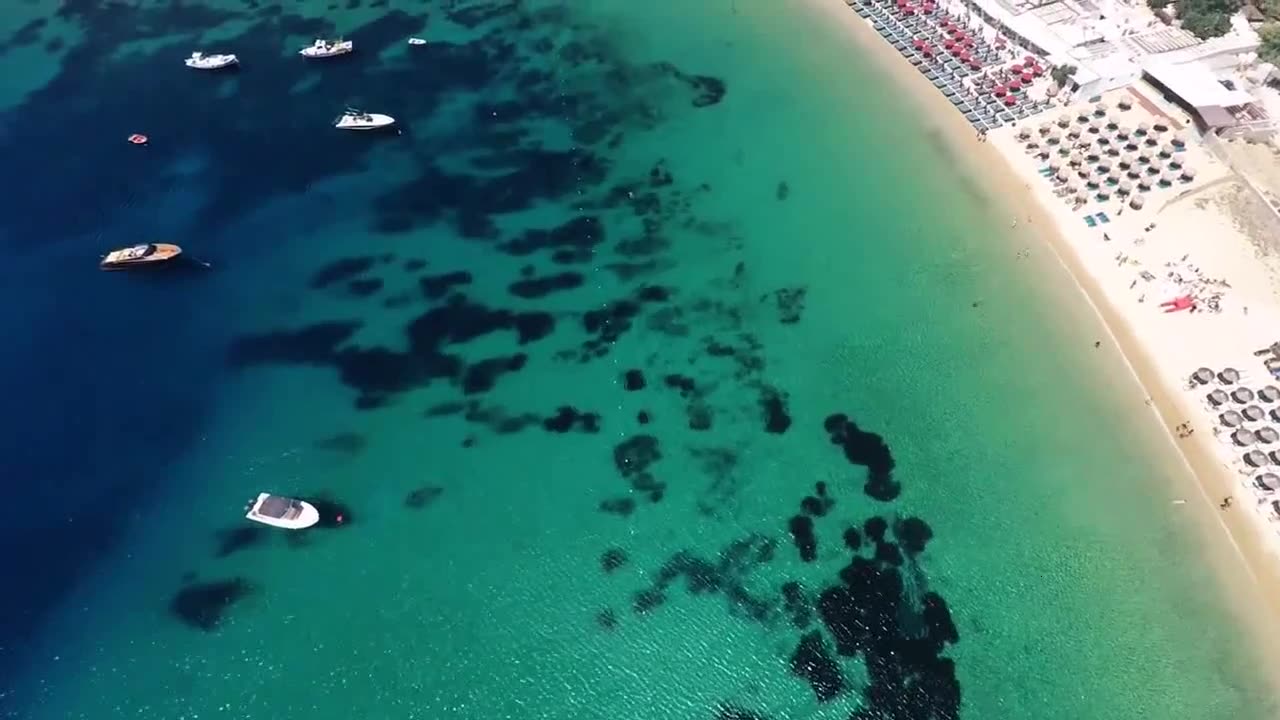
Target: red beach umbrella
(1026,78)
(917,43)
(1010,101)
(908,11)
(1029,60)
(1015,69)
(975,65)
(948,43)
(1000,91)
(1015,86)
(927,9)
(969,42)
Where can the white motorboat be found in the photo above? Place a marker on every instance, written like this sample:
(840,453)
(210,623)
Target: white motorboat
(417,41)
(361,120)
(283,512)
(200,61)
(322,48)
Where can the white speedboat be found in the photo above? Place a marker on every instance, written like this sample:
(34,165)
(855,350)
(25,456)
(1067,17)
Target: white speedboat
(200,61)
(322,48)
(361,120)
(283,512)
(417,41)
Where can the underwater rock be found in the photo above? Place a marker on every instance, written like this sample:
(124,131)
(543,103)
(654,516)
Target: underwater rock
(204,605)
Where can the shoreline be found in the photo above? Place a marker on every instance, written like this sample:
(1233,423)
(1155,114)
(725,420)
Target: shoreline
(992,166)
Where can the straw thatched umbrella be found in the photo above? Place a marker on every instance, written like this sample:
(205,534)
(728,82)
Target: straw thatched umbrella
(1126,187)
(1113,177)
(1064,120)
(1104,192)
(1266,434)
(1167,177)
(1242,395)
(1063,175)
(1229,376)
(1144,128)
(1100,109)
(1122,132)
(1189,173)
(1167,149)
(1253,413)
(1144,155)
(1082,115)
(1125,102)
(1091,182)
(1243,437)
(1267,482)
(1136,202)
(1217,397)
(1076,158)
(1231,419)
(1134,172)
(1202,376)
(1144,183)
(1095,126)
(1269,393)
(1126,160)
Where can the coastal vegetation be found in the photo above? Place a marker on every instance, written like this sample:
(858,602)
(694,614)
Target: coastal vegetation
(1269,49)
(1203,18)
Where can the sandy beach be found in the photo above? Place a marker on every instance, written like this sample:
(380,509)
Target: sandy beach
(1207,229)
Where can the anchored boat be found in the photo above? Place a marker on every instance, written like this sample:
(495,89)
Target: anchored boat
(138,256)
(200,61)
(282,512)
(360,120)
(322,48)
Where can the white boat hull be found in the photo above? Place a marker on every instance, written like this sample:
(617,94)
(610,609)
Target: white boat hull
(323,51)
(212,62)
(375,121)
(306,518)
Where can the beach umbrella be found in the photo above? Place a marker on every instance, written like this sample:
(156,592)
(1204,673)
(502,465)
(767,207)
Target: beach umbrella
(1231,418)
(1063,175)
(1126,187)
(1054,138)
(1151,141)
(1159,125)
(1073,133)
(1111,122)
(1256,458)
(1028,59)
(1179,139)
(1104,140)
(1229,376)
(1166,149)
(1104,166)
(1275,414)
(1242,395)
(1113,151)
(1091,155)
(1015,86)
(1063,150)
(1189,173)
(1202,376)
(1082,196)
(1045,128)
(1124,102)
(1266,434)
(1073,186)
(1091,182)
(1122,132)
(1015,69)
(1144,183)
(1216,397)
(1144,155)
(1000,91)
(1134,172)
(1136,202)
(1269,394)
(1064,120)
(1243,437)
(1144,128)
(1113,176)
(1104,192)
(1100,109)
(1083,115)
(1076,158)
(1094,126)
(1253,413)
(1267,482)
(1127,160)
(1167,177)
(1054,165)
(1010,101)
(1024,133)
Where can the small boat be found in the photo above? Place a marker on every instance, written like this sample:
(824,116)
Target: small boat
(322,48)
(360,120)
(282,512)
(149,255)
(200,61)
(417,41)
(138,139)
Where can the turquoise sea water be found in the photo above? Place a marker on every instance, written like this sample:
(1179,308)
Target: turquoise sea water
(445,330)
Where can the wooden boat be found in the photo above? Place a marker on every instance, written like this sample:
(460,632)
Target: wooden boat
(150,255)
(282,512)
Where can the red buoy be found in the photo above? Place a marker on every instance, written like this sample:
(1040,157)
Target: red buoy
(138,139)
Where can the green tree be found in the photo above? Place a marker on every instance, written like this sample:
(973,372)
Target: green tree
(1269,50)
(1159,4)
(1270,9)
(1204,23)
(1061,73)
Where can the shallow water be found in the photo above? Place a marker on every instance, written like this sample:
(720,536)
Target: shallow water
(436,329)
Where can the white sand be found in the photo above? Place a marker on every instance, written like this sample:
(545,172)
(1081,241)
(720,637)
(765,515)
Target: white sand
(1212,228)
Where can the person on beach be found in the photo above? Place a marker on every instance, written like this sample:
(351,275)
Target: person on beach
(1226,502)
